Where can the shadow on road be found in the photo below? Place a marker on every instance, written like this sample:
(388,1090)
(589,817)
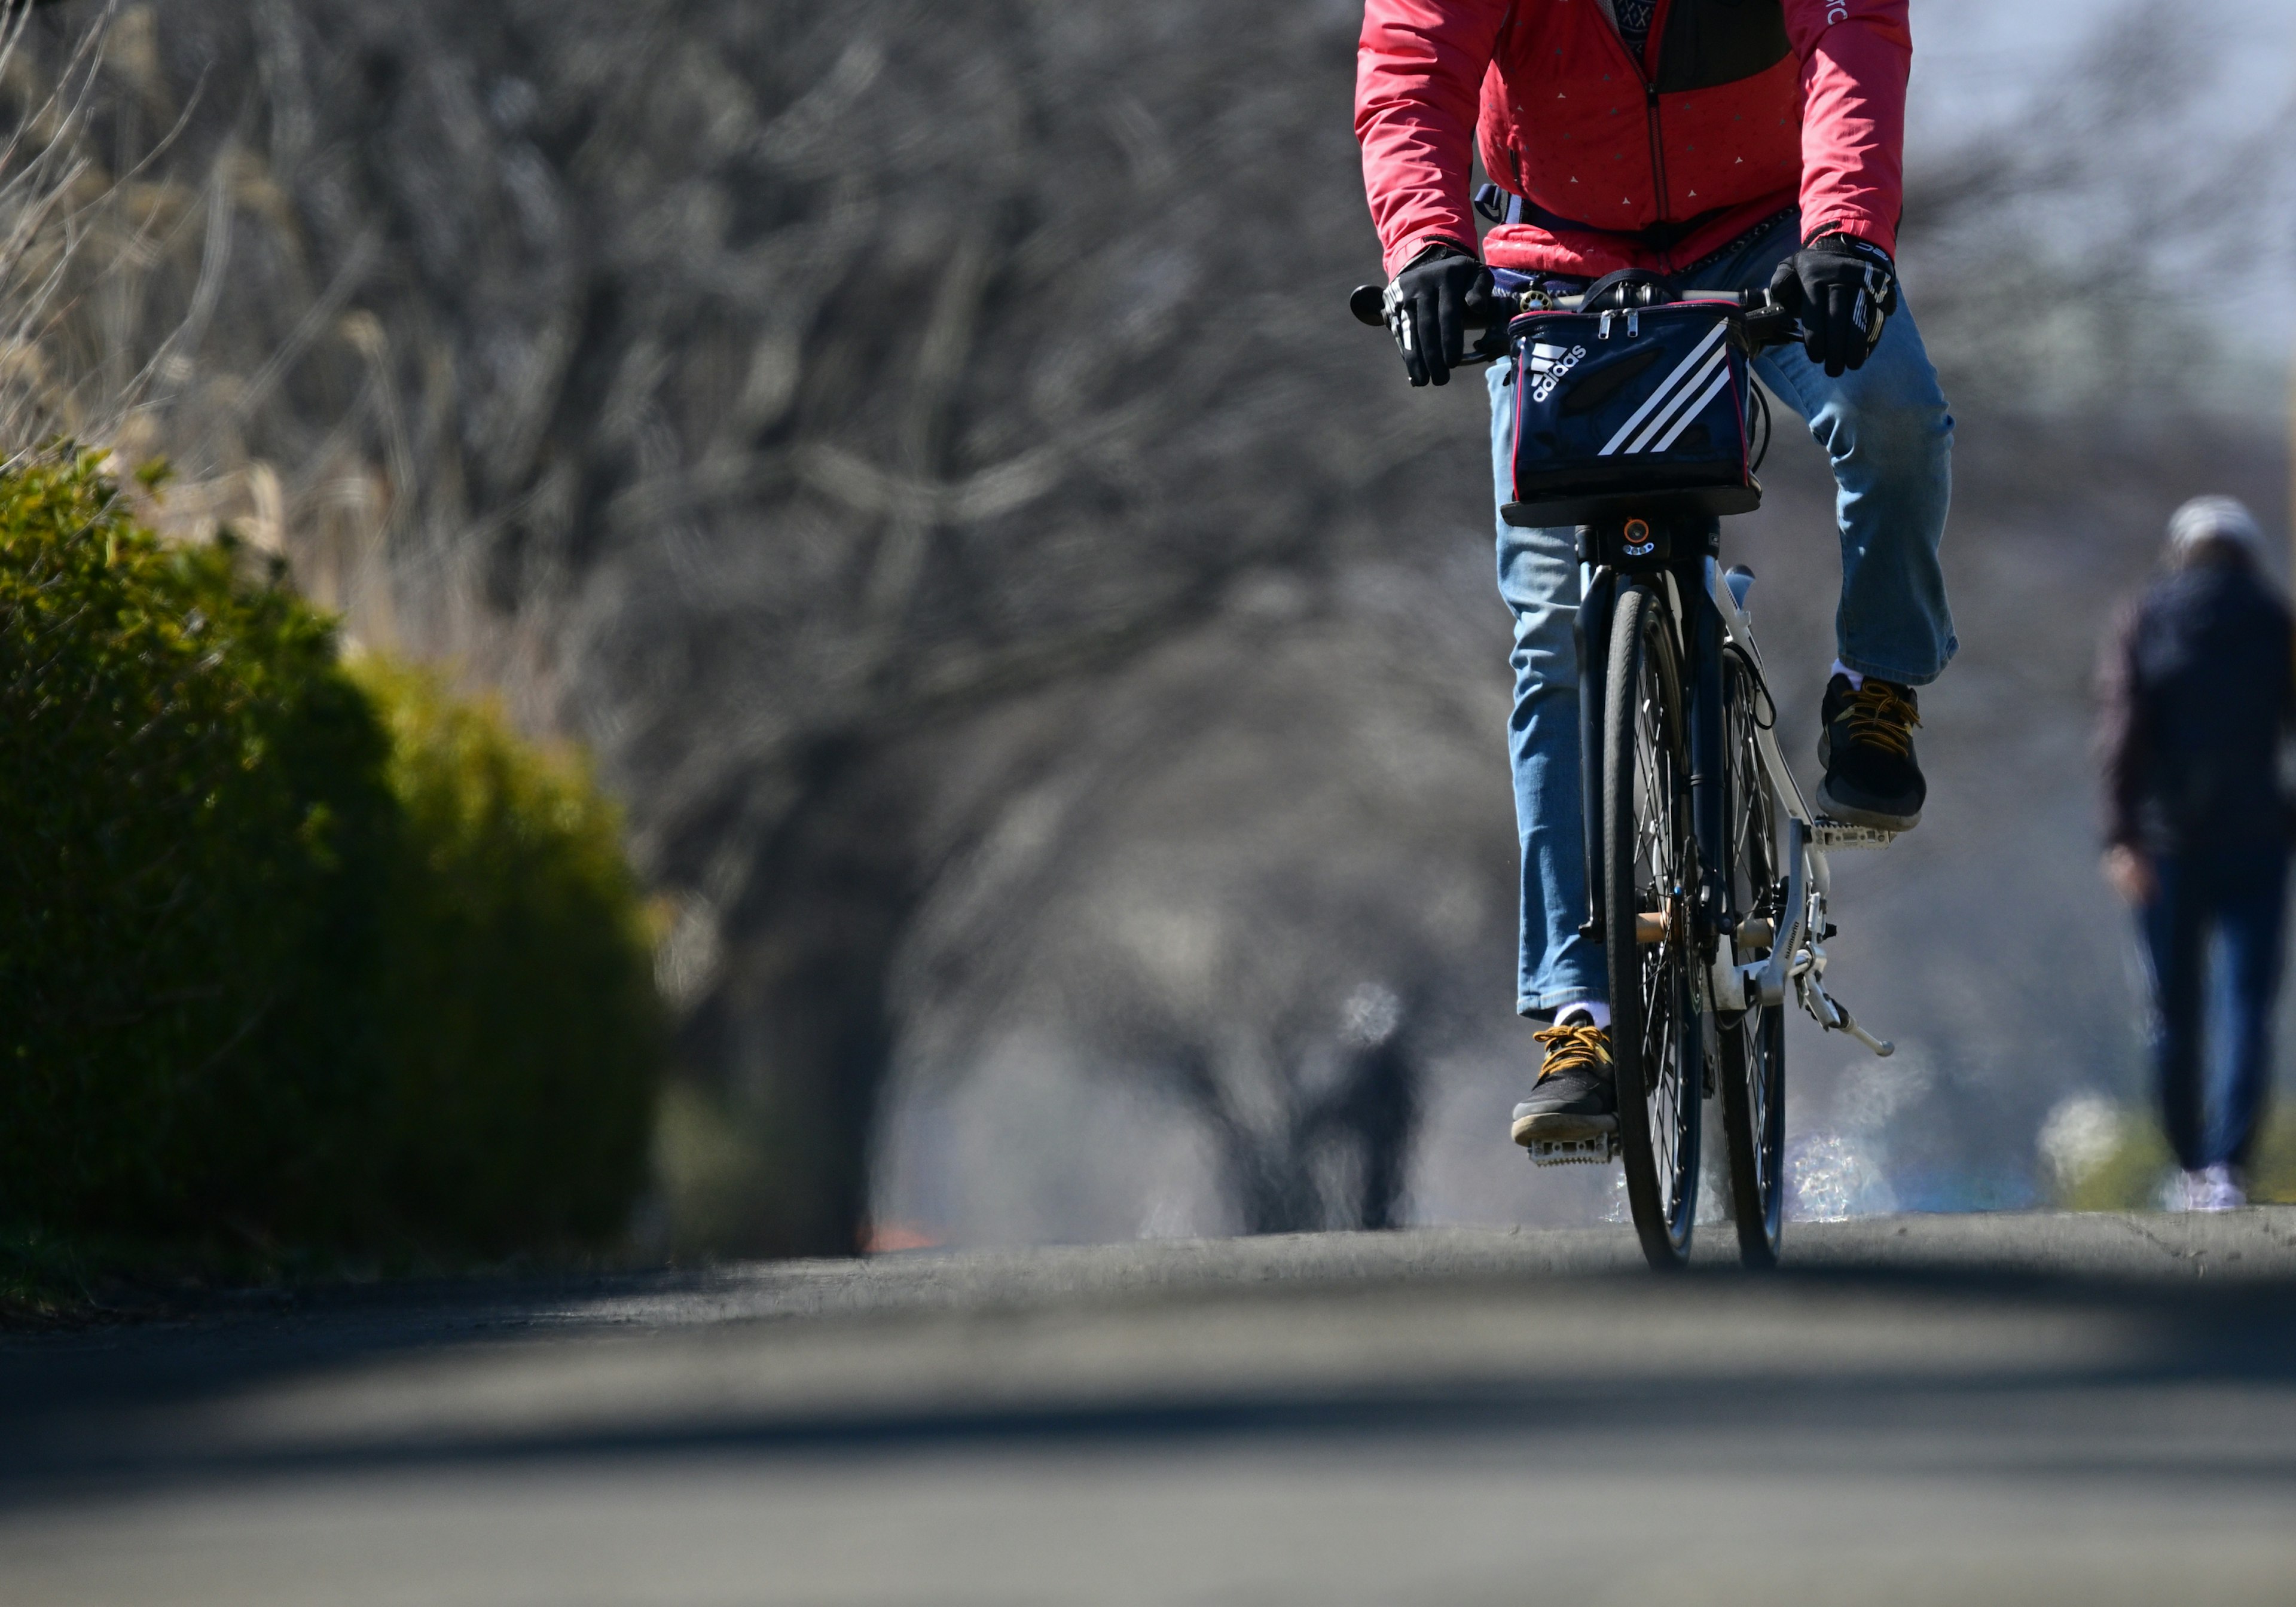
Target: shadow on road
(930,1354)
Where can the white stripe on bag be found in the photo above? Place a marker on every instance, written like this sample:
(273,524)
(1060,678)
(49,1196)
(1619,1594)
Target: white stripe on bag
(1665,386)
(1721,380)
(1683,393)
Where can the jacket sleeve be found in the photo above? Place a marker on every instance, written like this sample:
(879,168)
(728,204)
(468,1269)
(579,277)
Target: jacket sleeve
(1855,58)
(1419,75)
(2121,745)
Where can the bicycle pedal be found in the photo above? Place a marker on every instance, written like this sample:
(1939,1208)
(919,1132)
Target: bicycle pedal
(1599,1150)
(1839,835)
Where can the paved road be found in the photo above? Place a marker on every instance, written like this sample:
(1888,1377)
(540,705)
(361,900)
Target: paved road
(2041,1409)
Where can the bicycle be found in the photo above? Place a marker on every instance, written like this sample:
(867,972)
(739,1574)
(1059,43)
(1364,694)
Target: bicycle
(1706,918)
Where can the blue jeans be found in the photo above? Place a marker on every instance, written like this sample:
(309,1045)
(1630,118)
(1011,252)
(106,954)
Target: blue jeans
(1886,429)
(2237,895)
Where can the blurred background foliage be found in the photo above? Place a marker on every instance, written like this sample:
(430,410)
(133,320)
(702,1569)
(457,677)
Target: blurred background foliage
(296,960)
(1048,658)
(2101,1156)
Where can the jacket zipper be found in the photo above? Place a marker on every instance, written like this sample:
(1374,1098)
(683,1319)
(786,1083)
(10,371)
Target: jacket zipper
(1658,163)
(1650,104)
(1657,47)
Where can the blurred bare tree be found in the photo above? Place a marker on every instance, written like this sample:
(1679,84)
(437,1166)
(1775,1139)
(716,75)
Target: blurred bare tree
(761,392)
(919,448)
(2074,257)
(1269,885)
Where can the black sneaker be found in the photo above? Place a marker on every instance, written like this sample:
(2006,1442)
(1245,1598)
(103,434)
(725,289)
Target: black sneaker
(1576,1096)
(1872,778)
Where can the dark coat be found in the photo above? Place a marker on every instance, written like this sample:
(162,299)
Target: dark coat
(2199,689)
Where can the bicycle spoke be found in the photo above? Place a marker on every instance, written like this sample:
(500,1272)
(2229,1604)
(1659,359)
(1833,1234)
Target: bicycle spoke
(1752,1065)
(1648,858)
(1658,849)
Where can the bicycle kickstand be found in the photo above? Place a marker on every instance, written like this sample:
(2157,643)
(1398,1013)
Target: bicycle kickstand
(1834,1016)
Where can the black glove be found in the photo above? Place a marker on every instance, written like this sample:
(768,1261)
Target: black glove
(1841,288)
(1426,308)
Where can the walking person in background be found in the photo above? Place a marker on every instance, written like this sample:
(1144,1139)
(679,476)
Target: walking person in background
(2199,690)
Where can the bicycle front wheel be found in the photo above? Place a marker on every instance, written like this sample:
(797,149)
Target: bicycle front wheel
(1647,858)
(1753,1060)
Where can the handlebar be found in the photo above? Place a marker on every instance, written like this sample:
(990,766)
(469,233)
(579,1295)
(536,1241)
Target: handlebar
(1765,321)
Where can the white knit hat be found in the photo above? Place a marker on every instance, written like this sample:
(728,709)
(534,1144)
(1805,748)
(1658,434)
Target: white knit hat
(2214,519)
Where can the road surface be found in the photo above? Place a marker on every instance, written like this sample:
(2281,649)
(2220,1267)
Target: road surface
(2000,1409)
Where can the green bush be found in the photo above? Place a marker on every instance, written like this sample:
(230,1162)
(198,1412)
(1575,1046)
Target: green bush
(290,954)
(191,799)
(519,1017)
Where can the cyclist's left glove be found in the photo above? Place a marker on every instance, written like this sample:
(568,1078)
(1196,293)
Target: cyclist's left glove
(1842,287)
(1426,308)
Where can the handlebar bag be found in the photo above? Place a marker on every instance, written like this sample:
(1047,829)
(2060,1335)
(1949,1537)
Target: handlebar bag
(1626,411)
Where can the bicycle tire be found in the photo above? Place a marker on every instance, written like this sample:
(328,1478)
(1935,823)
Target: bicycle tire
(1647,862)
(1752,1068)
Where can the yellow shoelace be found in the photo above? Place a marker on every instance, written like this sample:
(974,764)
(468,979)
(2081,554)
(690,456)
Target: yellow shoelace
(1573,1047)
(1883,717)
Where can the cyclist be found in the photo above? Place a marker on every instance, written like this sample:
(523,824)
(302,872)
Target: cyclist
(1726,144)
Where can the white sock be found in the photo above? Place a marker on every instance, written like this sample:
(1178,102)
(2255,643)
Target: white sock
(1586,1012)
(1856,681)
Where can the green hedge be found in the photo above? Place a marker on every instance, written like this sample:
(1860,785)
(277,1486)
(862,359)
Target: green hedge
(519,1018)
(291,953)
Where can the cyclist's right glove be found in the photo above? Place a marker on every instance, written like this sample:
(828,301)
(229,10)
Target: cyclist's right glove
(1426,308)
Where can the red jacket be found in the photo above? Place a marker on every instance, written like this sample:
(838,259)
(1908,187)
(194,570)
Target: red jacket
(1738,108)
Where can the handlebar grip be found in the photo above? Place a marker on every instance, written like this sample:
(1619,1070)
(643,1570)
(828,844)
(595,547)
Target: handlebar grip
(1368,303)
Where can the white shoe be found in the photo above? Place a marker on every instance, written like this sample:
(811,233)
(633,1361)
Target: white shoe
(2209,1188)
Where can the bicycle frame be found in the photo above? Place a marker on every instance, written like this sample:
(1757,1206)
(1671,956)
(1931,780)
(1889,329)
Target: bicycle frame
(1798,954)
(1682,559)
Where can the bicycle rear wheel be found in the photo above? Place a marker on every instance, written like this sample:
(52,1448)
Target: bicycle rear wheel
(1647,861)
(1753,1060)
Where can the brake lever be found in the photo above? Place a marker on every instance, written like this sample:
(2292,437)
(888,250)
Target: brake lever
(1772,326)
